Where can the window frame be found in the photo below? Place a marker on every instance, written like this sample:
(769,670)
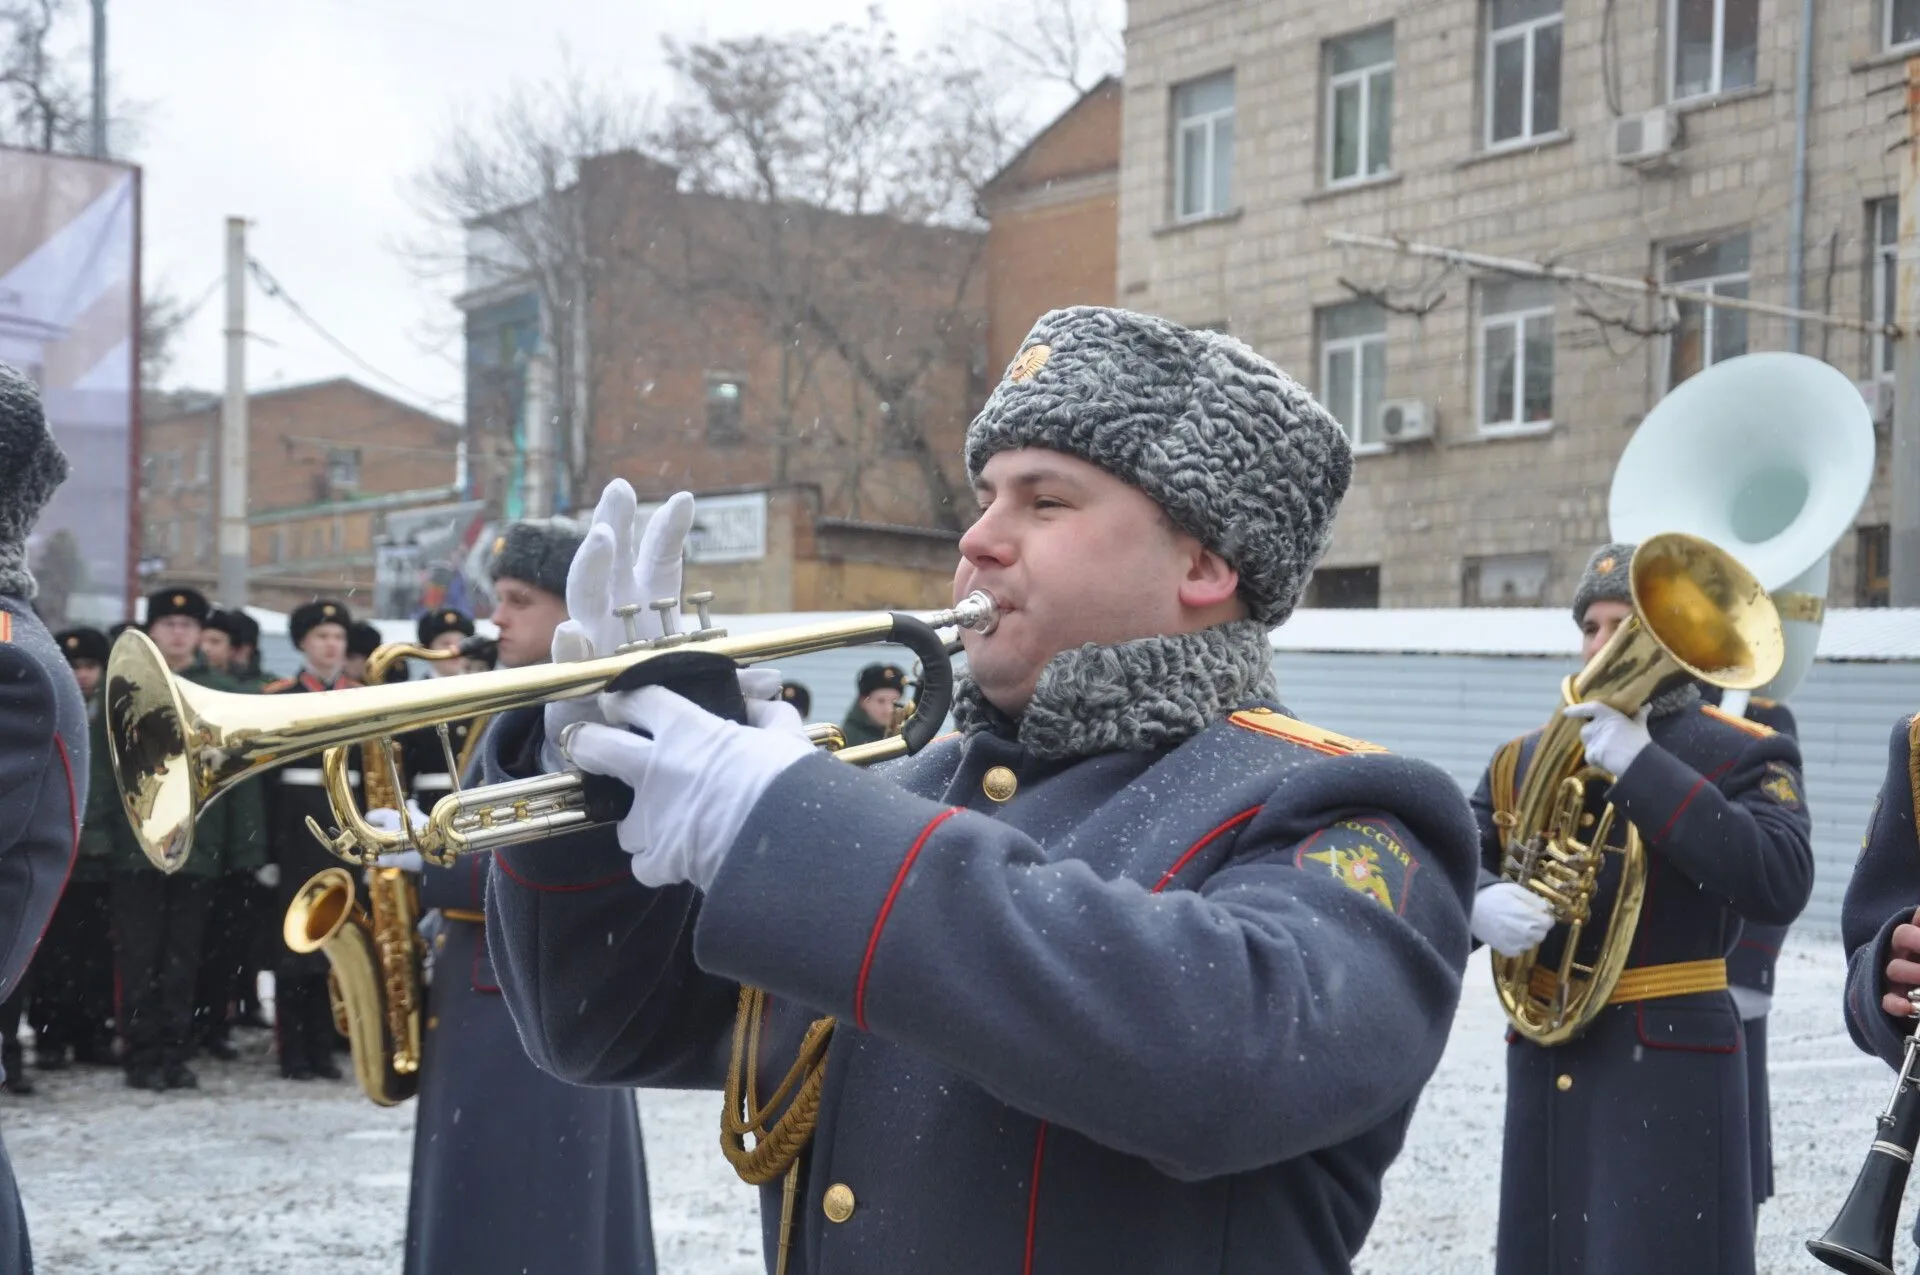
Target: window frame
(1356,345)
(1887,44)
(1883,298)
(1473,572)
(1719,81)
(1705,286)
(338,459)
(1524,30)
(1517,320)
(1362,76)
(736,433)
(1208,123)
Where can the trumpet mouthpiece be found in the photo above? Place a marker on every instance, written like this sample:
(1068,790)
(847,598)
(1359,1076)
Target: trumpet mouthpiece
(977,611)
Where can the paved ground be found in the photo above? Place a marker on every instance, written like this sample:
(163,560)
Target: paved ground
(258,1176)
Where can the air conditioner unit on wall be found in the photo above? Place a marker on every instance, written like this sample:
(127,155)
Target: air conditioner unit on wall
(1646,138)
(1404,421)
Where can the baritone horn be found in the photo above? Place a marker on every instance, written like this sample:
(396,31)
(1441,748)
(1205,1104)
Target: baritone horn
(1697,612)
(176,746)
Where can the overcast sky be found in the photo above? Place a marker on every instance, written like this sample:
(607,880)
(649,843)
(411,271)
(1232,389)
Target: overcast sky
(309,117)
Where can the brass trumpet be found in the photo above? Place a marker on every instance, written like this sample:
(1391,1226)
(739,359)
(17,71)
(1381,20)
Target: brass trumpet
(176,746)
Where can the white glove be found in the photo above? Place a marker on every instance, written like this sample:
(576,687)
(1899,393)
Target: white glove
(1509,918)
(1751,1002)
(387,819)
(694,782)
(268,874)
(617,565)
(1612,739)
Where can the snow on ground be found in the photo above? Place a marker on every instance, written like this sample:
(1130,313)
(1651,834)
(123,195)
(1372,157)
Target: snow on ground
(254,1175)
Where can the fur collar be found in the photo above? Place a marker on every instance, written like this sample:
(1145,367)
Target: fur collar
(1145,694)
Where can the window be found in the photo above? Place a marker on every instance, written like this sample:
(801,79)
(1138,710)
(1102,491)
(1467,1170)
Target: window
(1203,147)
(1510,580)
(1705,334)
(203,463)
(1875,588)
(724,395)
(1903,22)
(1353,367)
(1516,355)
(1883,217)
(277,549)
(343,468)
(1523,70)
(202,540)
(1715,46)
(1360,105)
(1344,587)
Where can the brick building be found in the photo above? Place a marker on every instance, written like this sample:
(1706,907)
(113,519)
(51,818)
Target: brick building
(1053,214)
(1647,139)
(731,346)
(326,464)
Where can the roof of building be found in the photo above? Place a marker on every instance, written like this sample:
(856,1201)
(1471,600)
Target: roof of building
(184,403)
(1012,166)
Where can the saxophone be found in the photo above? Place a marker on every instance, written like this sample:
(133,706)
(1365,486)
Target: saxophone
(375,984)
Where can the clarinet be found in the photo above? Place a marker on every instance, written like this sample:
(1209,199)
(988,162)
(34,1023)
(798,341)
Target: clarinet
(1861,1237)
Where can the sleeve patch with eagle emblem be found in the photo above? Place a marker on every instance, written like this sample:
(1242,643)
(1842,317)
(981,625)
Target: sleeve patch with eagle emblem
(1368,856)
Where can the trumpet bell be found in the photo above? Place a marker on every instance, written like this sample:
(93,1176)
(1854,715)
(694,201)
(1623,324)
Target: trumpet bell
(1709,614)
(150,724)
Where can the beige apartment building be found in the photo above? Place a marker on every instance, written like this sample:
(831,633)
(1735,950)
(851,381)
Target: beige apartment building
(1649,139)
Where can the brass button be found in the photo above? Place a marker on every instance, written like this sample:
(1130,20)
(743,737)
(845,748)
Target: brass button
(838,1202)
(439,941)
(1000,784)
(1564,1083)
(433,1023)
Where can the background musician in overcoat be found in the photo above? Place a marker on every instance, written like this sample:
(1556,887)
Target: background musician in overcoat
(303,1018)
(72,999)
(159,918)
(1880,914)
(1750,979)
(43,734)
(512,1169)
(1110,968)
(1626,1148)
(235,915)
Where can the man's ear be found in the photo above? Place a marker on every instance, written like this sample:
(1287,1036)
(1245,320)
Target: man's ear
(1210,581)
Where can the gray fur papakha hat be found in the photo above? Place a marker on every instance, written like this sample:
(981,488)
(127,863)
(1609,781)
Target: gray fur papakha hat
(1231,447)
(1605,580)
(538,551)
(32,467)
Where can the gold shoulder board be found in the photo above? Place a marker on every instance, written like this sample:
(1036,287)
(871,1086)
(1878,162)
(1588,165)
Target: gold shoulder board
(6,626)
(272,687)
(1759,730)
(1267,722)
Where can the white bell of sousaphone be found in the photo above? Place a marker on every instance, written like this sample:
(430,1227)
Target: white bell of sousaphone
(1768,456)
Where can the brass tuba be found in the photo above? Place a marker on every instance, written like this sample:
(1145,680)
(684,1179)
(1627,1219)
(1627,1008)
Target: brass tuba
(375,982)
(177,746)
(1696,611)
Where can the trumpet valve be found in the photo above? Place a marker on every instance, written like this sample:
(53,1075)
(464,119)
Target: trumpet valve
(670,634)
(634,642)
(703,607)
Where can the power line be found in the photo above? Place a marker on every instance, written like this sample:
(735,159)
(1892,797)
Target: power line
(273,288)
